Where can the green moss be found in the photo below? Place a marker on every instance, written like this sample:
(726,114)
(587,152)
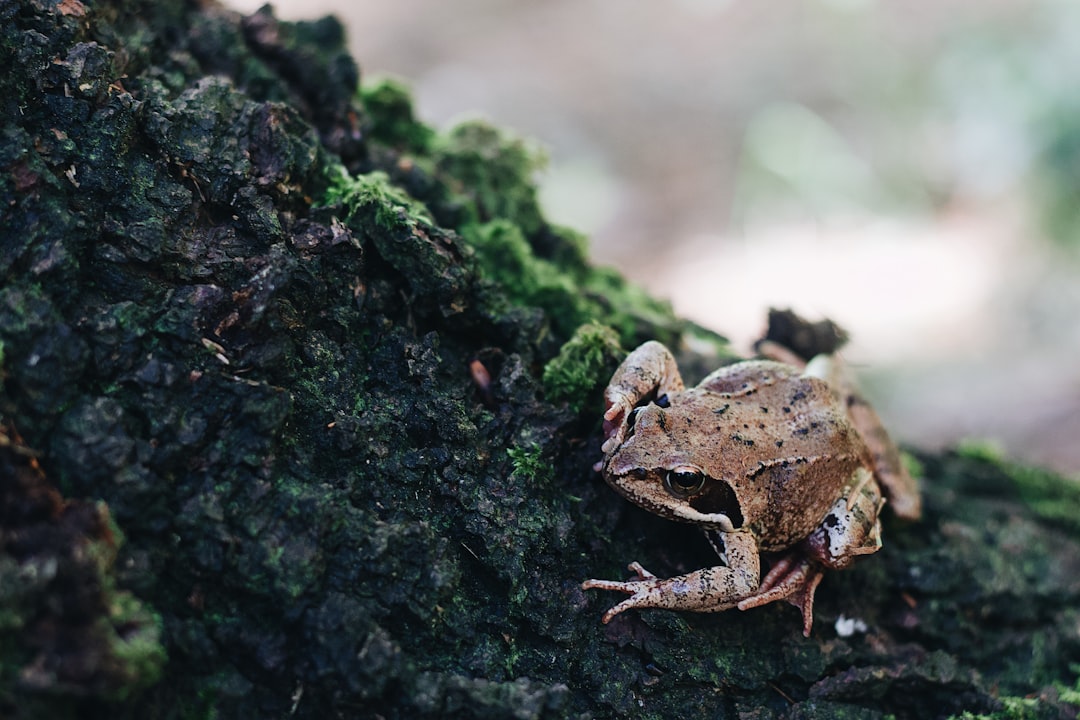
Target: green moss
(635,314)
(570,292)
(480,181)
(393,207)
(494,170)
(582,365)
(1052,497)
(390,108)
(135,644)
(1014,708)
(506,258)
(529,463)
(978,449)
(1071,694)
(912,464)
(131,630)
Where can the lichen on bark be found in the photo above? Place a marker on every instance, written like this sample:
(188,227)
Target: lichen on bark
(292,344)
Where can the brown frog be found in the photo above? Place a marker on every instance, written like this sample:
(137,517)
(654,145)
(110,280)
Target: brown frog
(774,456)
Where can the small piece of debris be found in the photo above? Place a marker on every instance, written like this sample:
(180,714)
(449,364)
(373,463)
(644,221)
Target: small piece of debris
(846,627)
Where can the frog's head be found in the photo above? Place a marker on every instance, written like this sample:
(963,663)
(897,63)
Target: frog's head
(660,466)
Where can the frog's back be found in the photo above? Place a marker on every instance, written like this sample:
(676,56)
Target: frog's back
(785,444)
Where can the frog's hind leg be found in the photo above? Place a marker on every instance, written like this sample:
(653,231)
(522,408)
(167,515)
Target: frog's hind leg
(900,487)
(850,529)
(793,578)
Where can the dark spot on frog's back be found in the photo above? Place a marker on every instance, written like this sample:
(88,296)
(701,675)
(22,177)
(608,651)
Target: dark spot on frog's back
(798,396)
(718,497)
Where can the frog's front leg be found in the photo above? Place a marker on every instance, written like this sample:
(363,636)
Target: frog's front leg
(649,372)
(707,590)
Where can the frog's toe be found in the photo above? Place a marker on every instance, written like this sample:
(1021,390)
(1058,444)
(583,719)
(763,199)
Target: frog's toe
(641,572)
(594,584)
(643,593)
(793,581)
(628,603)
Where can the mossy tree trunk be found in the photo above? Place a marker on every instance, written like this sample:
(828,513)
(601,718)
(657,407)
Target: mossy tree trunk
(297,420)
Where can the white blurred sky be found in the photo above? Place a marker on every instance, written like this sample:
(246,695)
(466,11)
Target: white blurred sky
(861,160)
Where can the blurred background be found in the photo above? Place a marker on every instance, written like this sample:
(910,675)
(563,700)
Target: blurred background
(910,170)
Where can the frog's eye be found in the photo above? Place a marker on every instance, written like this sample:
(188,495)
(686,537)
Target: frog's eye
(684,482)
(631,421)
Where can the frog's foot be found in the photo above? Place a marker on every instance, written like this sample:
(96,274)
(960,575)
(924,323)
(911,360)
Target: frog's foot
(644,592)
(710,589)
(619,407)
(793,579)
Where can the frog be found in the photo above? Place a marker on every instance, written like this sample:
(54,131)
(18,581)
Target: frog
(775,457)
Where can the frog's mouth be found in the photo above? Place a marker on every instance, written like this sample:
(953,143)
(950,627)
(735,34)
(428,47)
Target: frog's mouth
(715,506)
(718,521)
(718,499)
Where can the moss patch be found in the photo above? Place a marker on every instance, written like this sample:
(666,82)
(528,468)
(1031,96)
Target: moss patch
(1052,497)
(583,366)
(392,120)
(391,207)
(65,627)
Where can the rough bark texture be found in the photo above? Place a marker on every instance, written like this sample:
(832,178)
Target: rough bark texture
(306,373)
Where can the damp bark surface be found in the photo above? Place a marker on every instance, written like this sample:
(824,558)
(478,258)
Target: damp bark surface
(300,402)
